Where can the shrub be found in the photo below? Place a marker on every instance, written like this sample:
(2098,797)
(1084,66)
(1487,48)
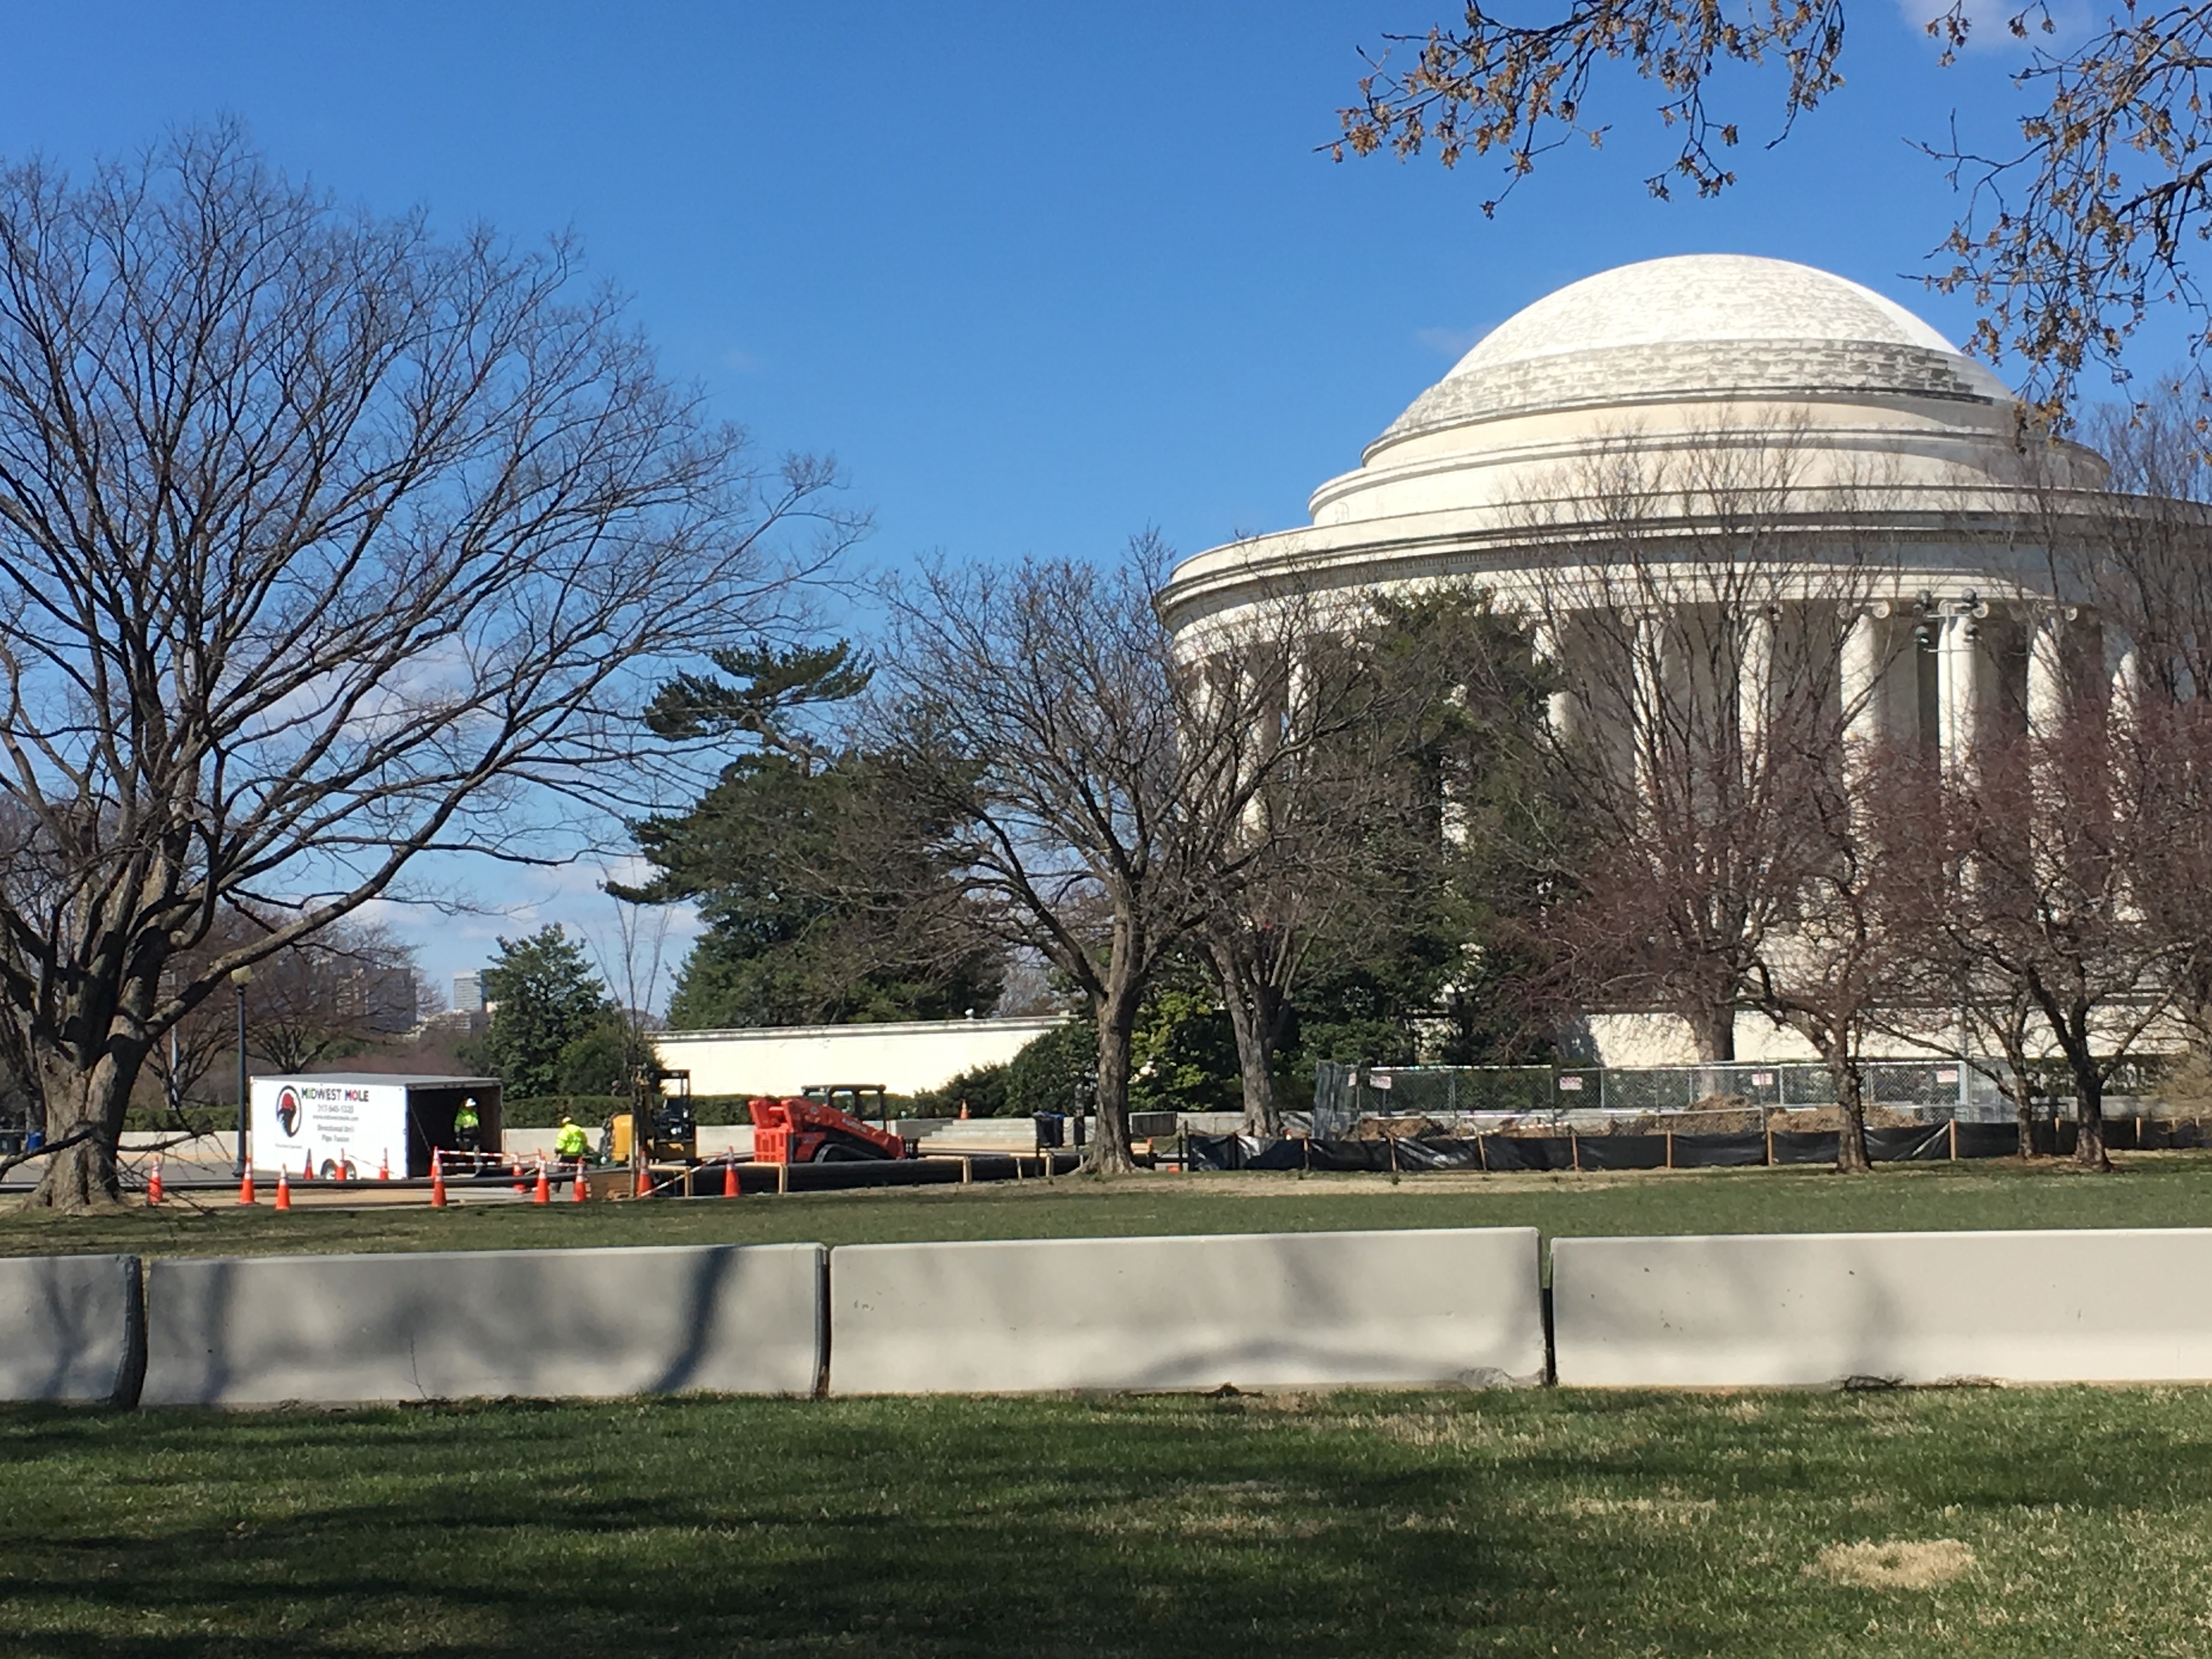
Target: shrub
(1054,1072)
(544,1111)
(982,1087)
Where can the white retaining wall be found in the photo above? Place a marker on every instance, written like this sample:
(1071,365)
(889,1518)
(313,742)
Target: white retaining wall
(1442,1307)
(342,1329)
(69,1328)
(904,1057)
(1808,1309)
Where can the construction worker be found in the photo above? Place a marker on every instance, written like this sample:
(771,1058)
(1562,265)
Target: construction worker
(465,1126)
(571,1144)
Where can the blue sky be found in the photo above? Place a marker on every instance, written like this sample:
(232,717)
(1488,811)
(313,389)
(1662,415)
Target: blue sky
(1039,275)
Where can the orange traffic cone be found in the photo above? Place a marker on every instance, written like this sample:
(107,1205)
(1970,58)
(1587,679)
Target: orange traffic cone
(307,1165)
(384,1164)
(963,1108)
(154,1181)
(582,1189)
(246,1186)
(730,1176)
(437,1183)
(283,1188)
(542,1192)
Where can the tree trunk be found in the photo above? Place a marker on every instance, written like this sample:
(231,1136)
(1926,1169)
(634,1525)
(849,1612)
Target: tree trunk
(1109,1150)
(84,1119)
(2023,1100)
(2089,1115)
(1850,1099)
(1712,1028)
(1255,1068)
(1255,1018)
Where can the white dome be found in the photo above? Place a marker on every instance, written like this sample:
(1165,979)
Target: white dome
(1699,297)
(1663,389)
(1702,329)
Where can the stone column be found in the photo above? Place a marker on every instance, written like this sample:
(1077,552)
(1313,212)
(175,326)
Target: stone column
(1261,735)
(2046,674)
(1754,685)
(1861,677)
(1959,692)
(2123,676)
(1644,720)
(1560,708)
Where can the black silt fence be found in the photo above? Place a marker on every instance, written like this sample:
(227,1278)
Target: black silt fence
(1915,1143)
(1988,1140)
(1803,1146)
(1624,1151)
(1527,1152)
(1731,1152)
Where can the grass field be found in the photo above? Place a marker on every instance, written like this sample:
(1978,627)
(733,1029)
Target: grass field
(2035,1522)
(2154,1189)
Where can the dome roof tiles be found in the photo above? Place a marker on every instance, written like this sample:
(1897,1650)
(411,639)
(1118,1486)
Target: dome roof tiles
(1699,327)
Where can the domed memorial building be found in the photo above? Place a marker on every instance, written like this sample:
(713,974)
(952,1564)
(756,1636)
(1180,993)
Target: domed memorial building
(1735,422)
(1717,487)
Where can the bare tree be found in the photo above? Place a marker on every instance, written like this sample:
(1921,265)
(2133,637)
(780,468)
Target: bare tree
(1329,841)
(631,962)
(314,999)
(1430,801)
(2050,834)
(2075,226)
(1842,965)
(329,995)
(1704,636)
(323,543)
(1097,791)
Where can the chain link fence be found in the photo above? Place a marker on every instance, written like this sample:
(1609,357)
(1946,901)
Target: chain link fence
(1344,1094)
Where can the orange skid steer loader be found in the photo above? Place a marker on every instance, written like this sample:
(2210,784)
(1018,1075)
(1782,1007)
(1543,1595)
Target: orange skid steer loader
(795,1130)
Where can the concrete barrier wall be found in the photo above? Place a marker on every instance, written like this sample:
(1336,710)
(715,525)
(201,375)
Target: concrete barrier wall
(69,1328)
(1916,1307)
(1445,1308)
(342,1329)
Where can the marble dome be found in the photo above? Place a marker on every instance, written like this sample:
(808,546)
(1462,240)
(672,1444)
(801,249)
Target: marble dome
(1704,328)
(1888,428)
(1696,349)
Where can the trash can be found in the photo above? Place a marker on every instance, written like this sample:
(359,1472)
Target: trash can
(1051,1130)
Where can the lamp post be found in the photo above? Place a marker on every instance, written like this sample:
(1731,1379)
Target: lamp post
(240,979)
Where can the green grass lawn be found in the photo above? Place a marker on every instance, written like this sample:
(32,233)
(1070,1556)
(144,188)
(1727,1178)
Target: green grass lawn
(2154,1189)
(2059,1521)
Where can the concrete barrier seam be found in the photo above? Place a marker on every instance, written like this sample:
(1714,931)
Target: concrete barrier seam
(70,1328)
(132,1375)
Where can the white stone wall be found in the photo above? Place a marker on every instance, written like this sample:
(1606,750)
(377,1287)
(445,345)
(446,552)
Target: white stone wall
(905,1058)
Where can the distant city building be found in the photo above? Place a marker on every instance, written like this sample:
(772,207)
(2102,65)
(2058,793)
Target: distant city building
(385,999)
(468,993)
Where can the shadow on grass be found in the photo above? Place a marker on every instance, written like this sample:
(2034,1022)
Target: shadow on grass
(1281,1527)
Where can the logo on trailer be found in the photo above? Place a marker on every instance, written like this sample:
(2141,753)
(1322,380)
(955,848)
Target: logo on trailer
(287,1113)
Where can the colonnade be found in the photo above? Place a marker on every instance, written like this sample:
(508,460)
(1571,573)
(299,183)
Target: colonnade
(1949,673)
